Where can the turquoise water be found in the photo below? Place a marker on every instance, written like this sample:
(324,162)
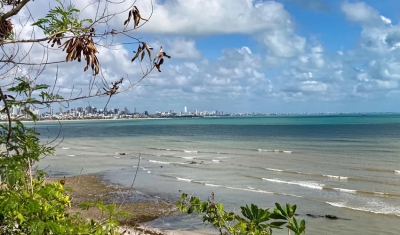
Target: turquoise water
(345,165)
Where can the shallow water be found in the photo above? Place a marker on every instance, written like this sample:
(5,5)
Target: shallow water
(348,166)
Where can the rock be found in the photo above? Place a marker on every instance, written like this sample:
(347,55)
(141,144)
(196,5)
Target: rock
(314,216)
(331,216)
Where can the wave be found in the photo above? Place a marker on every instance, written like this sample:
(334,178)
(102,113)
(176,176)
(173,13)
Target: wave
(190,151)
(373,170)
(336,177)
(397,171)
(386,210)
(307,184)
(183,179)
(314,185)
(71,155)
(242,189)
(272,169)
(311,174)
(167,163)
(346,190)
(363,192)
(161,149)
(65,147)
(216,160)
(275,151)
(189,158)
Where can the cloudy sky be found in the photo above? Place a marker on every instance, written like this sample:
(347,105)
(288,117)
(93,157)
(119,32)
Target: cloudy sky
(265,56)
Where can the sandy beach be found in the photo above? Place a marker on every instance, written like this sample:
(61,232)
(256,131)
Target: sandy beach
(143,208)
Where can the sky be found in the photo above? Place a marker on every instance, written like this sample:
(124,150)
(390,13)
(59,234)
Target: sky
(252,56)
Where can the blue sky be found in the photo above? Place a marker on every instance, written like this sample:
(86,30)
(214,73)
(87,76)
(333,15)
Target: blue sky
(265,56)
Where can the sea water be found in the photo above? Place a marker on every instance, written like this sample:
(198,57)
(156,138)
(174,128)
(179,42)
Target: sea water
(343,165)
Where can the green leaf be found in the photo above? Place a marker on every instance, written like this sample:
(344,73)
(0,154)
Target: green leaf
(278,223)
(190,210)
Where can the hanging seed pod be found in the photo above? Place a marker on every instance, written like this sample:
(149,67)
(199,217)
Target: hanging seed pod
(6,29)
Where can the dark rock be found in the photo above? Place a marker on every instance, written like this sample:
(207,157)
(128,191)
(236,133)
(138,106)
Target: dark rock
(314,216)
(331,216)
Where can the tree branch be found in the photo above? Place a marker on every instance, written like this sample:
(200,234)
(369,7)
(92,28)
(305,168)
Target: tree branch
(14,11)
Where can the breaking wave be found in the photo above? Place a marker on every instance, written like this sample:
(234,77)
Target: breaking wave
(183,179)
(381,208)
(307,184)
(275,151)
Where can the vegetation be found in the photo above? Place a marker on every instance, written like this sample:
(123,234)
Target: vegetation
(252,220)
(28,203)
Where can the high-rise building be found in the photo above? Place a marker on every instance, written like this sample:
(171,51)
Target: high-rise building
(185,110)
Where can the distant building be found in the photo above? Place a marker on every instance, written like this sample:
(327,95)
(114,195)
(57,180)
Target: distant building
(185,110)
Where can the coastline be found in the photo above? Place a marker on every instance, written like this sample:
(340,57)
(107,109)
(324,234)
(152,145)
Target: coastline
(142,207)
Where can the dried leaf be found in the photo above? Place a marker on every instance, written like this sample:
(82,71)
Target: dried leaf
(142,56)
(148,49)
(158,67)
(137,53)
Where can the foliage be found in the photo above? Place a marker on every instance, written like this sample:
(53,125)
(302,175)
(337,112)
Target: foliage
(29,204)
(252,221)
(62,19)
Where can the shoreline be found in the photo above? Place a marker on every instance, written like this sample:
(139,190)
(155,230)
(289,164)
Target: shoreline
(142,207)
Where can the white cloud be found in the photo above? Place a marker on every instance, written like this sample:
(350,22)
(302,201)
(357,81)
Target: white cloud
(182,48)
(283,67)
(360,12)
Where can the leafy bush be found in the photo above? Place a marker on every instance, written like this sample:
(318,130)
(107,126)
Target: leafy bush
(252,220)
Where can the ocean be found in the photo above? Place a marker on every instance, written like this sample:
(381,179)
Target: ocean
(342,165)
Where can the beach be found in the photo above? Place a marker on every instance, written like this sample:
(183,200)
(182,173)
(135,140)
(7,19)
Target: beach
(142,208)
(345,166)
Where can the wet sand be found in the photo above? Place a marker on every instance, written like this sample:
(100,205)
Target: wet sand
(142,208)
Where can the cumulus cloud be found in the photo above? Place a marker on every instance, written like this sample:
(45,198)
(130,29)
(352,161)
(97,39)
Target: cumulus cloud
(360,12)
(182,48)
(283,66)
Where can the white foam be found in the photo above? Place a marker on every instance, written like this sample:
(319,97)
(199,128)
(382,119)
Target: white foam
(387,210)
(276,151)
(149,172)
(272,169)
(71,155)
(65,148)
(306,184)
(189,151)
(337,177)
(250,190)
(216,160)
(397,171)
(159,162)
(346,190)
(116,157)
(188,157)
(213,185)
(183,179)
